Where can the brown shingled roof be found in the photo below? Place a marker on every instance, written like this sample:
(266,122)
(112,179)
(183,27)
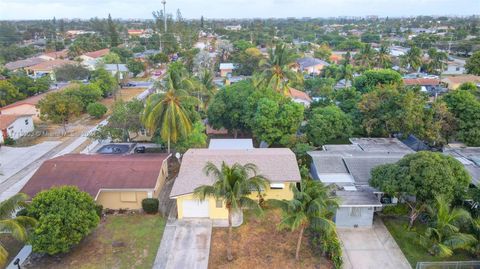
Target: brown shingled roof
(7,120)
(421,81)
(97,53)
(296,94)
(91,173)
(50,65)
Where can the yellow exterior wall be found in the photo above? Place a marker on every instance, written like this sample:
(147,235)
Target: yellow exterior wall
(222,213)
(113,199)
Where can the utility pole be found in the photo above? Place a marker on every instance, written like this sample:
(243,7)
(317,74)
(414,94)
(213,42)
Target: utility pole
(164,15)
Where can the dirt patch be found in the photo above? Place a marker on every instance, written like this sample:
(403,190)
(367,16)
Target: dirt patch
(259,244)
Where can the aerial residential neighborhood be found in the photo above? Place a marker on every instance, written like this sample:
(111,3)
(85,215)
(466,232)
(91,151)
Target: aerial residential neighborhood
(240,134)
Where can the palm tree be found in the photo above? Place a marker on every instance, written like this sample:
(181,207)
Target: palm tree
(167,111)
(444,236)
(383,57)
(207,86)
(16,226)
(412,59)
(312,205)
(278,69)
(437,60)
(233,185)
(346,73)
(366,56)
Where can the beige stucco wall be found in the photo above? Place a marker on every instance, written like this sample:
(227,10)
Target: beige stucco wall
(121,199)
(222,213)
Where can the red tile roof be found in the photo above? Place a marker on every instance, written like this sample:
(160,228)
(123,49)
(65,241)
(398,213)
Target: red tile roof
(98,53)
(91,173)
(421,81)
(296,94)
(7,120)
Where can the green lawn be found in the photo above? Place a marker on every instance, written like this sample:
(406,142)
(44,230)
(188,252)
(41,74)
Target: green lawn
(407,241)
(123,241)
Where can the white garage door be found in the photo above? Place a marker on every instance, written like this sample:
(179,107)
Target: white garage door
(195,209)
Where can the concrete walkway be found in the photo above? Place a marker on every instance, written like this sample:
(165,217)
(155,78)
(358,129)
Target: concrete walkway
(185,244)
(372,248)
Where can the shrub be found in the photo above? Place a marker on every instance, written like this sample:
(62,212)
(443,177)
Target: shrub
(150,205)
(328,244)
(96,110)
(9,141)
(396,210)
(65,216)
(99,210)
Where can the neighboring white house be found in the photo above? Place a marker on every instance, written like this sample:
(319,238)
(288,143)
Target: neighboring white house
(233,27)
(15,126)
(455,67)
(114,68)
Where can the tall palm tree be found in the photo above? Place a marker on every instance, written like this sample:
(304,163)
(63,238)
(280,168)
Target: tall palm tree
(412,59)
(167,111)
(383,57)
(278,69)
(312,205)
(207,87)
(346,73)
(437,60)
(444,236)
(366,56)
(16,226)
(233,185)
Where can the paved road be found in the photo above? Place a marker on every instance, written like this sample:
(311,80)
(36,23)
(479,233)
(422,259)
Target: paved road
(189,247)
(371,248)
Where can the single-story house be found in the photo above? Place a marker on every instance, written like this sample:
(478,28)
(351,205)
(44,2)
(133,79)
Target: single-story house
(454,82)
(24,107)
(121,68)
(62,54)
(300,97)
(22,64)
(469,157)
(310,65)
(48,67)
(15,126)
(226,69)
(279,165)
(114,181)
(94,54)
(455,67)
(238,143)
(349,168)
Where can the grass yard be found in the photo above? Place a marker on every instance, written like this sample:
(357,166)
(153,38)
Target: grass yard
(122,241)
(259,244)
(407,241)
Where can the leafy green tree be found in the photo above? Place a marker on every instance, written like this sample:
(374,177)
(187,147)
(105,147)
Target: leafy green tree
(278,69)
(347,99)
(86,93)
(440,124)
(112,31)
(111,58)
(323,52)
(373,78)
(17,226)
(159,58)
(443,235)
(8,93)
(65,216)
(136,67)
(437,61)
(383,57)
(227,109)
(59,108)
(424,175)
(313,205)
(326,124)
(247,61)
(196,139)
(105,81)
(96,110)
(29,86)
(167,111)
(468,86)
(124,53)
(366,56)
(466,109)
(124,120)
(69,72)
(272,117)
(472,64)
(233,185)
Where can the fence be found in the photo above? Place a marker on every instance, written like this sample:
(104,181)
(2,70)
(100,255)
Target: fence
(449,265)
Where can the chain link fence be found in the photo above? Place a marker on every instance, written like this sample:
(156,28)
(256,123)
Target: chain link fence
(449,265)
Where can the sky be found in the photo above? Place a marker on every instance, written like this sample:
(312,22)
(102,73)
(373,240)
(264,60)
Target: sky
(47,9)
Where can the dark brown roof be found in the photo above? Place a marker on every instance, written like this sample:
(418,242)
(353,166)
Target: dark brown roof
(24,63)
(90,173)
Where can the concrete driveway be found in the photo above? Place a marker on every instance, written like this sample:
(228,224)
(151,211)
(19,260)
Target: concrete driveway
(371,248)
(188,248)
